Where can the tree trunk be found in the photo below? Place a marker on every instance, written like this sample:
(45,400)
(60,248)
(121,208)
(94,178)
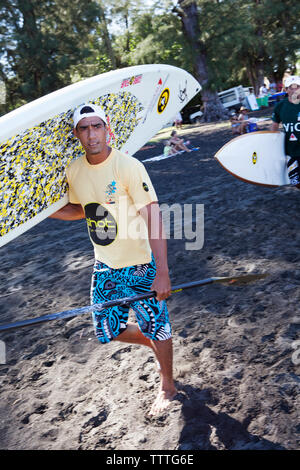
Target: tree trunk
(260,74)
(188,13)
(259,62)
(30,48)
(107,40)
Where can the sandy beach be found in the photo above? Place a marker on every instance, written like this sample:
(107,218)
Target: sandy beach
(235,347)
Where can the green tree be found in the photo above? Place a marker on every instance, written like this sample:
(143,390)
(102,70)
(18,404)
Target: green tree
(41,42)
(282,35)
(271,40)
(188,12)
(251,39)
(46,45)
(239,41)
(102,31)
(124,14)
(157,38)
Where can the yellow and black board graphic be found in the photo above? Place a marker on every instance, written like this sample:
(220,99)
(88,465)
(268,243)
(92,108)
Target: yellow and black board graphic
(33,163)
(163,100)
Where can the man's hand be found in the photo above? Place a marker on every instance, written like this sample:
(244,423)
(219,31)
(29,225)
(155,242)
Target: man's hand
(162,286)
(274,126)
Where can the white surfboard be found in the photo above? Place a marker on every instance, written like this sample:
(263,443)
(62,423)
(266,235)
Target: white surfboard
(257,158)
(37,142)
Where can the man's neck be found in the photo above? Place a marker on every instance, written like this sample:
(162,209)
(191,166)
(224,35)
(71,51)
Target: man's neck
(95,159)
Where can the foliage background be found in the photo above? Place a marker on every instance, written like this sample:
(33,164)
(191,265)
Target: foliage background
(47,45)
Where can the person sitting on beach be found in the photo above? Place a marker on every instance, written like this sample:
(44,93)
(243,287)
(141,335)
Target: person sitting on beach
(243,120)
(136,262)
(178,144)
(235,124)
(169,149)
(239,123)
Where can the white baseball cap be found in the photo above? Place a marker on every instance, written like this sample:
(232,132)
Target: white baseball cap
(292,80)
(88,110)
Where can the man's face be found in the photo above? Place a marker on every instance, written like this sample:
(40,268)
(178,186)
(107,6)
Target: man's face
(293,92)
(91,132)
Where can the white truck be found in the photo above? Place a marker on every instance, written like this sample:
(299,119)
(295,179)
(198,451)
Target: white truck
(238,96)
(233,98)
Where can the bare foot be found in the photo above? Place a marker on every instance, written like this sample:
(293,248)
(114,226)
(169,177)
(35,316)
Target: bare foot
(162,401)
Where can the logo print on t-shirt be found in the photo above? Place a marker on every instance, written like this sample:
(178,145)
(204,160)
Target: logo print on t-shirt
(145,186)
(293,137)
(110,193)
(101,224)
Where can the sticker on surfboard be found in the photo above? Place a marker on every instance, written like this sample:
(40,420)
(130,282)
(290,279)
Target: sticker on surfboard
(254,158)
(163,101)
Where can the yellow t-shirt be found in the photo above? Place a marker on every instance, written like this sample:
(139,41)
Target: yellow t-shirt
(111,194)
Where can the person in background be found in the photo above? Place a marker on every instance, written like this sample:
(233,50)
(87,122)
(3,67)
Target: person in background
(178,144)
(243,120)
(235,124)
(178,121)
(287,113)
(272,88)
(263,91)
(169,149)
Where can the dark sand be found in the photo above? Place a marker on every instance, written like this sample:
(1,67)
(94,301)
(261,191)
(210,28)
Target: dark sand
(235,348)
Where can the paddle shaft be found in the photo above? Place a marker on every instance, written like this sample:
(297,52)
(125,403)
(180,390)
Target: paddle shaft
(125,301)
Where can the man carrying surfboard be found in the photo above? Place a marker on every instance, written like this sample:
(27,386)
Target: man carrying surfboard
(107,187)
(287,112)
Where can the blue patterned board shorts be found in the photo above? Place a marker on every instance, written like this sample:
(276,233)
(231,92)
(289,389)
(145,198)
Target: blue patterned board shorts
(110,284)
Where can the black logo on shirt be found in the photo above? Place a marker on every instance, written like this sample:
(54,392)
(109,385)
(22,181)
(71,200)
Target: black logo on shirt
(145,186)
(101,224)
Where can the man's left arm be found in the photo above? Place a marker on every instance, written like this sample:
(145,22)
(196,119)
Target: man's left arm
(152,215)
(276,119)
(274,126)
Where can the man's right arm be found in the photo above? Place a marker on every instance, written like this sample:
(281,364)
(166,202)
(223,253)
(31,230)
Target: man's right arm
(69,212)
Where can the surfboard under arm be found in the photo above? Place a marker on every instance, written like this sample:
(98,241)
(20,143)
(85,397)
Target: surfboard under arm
(34,221)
